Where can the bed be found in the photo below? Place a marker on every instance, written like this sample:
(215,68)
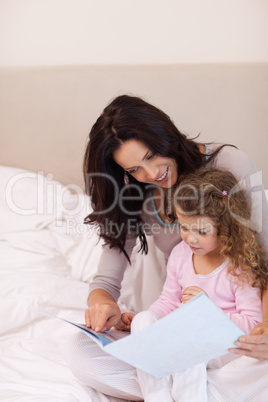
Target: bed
(48,256)
(47,261)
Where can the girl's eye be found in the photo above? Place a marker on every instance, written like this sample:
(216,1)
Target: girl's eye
(202,233)
(183,228)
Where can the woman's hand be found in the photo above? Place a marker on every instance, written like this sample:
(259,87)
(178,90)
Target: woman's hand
(191,292)
(125,322)
(103,312)
(254,345)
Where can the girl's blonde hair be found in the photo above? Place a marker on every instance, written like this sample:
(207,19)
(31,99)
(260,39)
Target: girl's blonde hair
(217,194)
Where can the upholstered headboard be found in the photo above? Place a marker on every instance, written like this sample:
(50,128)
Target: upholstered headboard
(46,113)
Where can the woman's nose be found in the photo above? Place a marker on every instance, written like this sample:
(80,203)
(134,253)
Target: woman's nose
(151,172)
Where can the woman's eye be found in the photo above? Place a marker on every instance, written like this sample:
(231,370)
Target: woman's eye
(183,228)
(202,233)
(132,171)
(151,156)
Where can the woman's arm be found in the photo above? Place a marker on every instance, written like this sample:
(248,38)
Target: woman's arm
(103,312)
(111,268)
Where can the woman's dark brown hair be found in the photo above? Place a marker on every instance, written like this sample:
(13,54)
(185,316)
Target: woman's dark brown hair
(127,118)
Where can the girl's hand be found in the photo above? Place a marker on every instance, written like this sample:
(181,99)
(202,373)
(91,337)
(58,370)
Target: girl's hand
(254,345)
(125,322)
(102,316)
(191,292)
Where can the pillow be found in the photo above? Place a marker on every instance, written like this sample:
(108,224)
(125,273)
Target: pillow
(31,201)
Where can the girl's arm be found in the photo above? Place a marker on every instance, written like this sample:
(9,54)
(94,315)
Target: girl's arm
(248,307)
(256,344)
(124,323)
(170,297)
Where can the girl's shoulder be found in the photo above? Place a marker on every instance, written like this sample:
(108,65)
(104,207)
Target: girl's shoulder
(181,249)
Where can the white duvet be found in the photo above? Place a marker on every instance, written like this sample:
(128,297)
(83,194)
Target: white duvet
(47,260)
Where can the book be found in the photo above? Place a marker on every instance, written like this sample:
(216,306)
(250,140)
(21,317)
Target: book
(196,332)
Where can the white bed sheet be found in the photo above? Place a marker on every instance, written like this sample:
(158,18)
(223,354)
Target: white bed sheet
(46,263)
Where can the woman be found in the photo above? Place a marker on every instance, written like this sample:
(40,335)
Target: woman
(135,154)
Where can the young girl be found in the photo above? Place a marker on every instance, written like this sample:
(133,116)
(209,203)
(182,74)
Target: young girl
(221,256)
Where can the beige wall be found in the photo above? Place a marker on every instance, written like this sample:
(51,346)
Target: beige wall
(204,62)
(46,113)
(86,32)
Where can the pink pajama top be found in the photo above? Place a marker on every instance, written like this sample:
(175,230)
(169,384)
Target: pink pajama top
(240,302)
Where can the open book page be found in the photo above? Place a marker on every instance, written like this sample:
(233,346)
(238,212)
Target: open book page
(196,332)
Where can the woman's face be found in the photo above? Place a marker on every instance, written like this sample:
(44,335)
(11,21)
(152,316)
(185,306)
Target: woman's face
(145,166)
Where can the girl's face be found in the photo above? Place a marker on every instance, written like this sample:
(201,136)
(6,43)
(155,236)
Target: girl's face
(144,165)
(200,233)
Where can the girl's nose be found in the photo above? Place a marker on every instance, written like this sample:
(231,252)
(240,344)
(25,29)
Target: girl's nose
(192,239)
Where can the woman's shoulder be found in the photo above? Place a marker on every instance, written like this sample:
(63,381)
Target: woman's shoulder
(227,151)
(232,159)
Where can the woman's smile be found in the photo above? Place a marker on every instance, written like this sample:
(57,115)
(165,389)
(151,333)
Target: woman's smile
(163,177)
